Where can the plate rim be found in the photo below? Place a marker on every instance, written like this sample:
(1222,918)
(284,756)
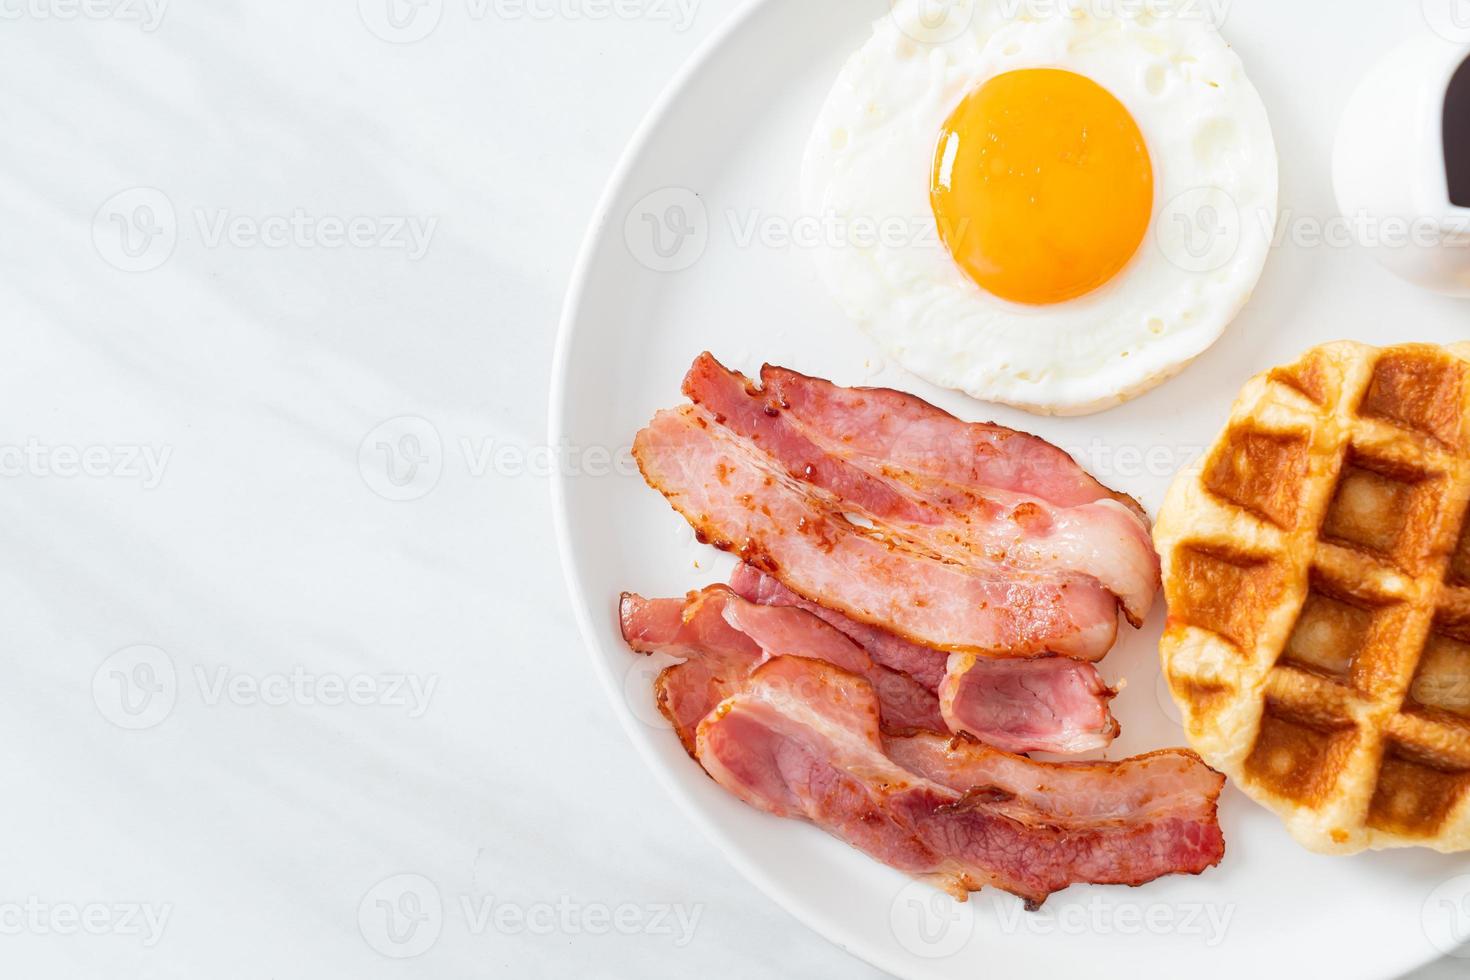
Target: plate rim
(618,181)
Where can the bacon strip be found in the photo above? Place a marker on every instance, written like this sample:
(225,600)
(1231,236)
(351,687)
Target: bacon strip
(1099,540)
(1172,781)
(1050,704)
(716,656)
(925,665)
(721,639)
(739,500)
(898,429)
(801,739)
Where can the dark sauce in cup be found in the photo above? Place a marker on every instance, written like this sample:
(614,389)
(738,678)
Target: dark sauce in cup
(1457,136)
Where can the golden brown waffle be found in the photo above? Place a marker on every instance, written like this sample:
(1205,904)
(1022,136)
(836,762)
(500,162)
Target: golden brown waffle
(1317,567)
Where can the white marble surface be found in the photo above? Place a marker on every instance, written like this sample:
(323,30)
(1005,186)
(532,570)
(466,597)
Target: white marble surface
(247,691)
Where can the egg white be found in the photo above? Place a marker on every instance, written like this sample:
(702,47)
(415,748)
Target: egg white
(1215,167)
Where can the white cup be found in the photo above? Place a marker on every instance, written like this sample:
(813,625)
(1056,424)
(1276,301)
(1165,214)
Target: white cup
(1391,172)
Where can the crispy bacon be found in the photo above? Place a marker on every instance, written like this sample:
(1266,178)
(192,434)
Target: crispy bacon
(897,429)
(1098,540)
(721,638)
(903,572)
(738,499)
(1050,704)
(801,739)
(924,664)
(1172,781)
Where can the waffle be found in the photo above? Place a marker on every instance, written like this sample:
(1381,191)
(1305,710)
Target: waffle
(1317,567)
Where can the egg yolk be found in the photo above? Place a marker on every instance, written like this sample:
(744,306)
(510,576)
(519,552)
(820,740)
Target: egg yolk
(1043,187)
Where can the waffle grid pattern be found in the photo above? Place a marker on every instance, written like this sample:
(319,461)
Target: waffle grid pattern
(1317,567)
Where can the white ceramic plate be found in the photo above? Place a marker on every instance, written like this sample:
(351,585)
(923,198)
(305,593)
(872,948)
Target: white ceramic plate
(724,149)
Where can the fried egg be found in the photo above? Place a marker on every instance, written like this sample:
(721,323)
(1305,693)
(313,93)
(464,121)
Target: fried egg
(1071,205)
